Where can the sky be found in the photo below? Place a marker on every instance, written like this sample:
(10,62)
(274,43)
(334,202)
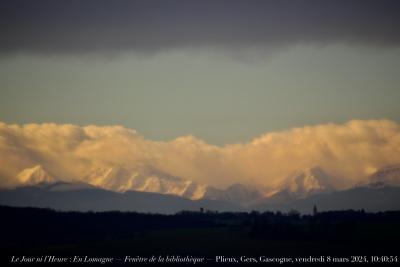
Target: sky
(221,73)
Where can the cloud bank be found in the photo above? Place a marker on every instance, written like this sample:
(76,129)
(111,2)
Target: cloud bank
(350,151)
(75,26)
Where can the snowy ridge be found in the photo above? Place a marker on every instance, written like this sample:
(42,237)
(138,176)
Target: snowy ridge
(389,175)
(121,180)
(304,183)
(35,175)
(309,181)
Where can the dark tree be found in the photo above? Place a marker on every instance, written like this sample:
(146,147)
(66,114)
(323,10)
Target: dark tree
(315,211)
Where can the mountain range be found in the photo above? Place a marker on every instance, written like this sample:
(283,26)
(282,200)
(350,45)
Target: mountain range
(153,191)
(73,197)
(121,180)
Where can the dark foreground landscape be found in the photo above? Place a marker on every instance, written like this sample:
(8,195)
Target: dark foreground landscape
(40,232)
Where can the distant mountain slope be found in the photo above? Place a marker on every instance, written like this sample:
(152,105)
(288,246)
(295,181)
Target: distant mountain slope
(236,193)
(371,199)
(72,197)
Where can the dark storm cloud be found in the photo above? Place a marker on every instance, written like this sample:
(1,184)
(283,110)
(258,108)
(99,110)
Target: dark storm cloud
(72,26)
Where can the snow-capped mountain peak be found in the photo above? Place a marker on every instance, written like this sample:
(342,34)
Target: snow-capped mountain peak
(312,179)
(35,175)
(302,184)
(389,175)
(307,182)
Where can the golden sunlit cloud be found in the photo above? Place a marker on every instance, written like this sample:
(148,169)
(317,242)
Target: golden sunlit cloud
(350,152)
